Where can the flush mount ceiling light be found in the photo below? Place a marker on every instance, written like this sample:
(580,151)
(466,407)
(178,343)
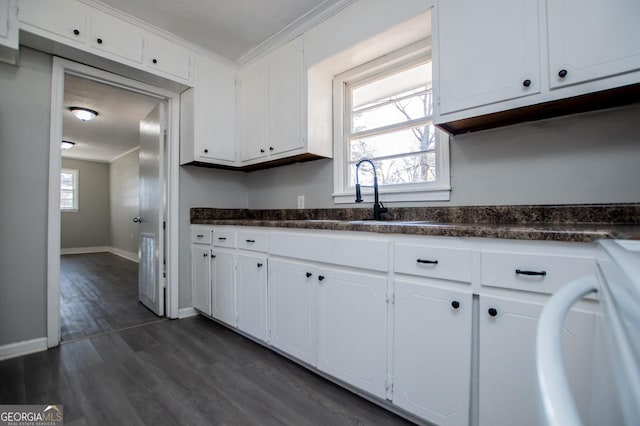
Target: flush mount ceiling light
(67,144)
(84,114)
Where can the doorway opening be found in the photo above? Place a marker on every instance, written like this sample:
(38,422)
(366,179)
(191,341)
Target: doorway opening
(74,83)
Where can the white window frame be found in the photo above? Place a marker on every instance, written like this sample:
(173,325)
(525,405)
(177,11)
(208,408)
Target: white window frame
(438,190)
(75,207)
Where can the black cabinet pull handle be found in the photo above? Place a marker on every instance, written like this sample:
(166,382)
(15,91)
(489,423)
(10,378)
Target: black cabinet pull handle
(261,150)
(308,274)
(526,83)
(154,60)
(271,148)
(99,41)
(455,304)
(562,73)
(259,265)
(222,238)
(521,272)
(200,236)
(204,254)
(250,241)
(431,262)
(206,151)
(492,312)
(76,32)
(320,277)
(213,255)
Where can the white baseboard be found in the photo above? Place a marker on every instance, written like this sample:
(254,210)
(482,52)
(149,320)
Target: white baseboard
(13,350)
(123,253)
(186,313)
(83,250)
(101,249)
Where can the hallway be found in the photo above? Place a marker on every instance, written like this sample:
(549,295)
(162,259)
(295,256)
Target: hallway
(99,294)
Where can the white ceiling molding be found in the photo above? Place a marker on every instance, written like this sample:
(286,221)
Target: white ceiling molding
(293,30)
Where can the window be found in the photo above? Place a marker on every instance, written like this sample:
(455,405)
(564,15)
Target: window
(69,190)
(386,110)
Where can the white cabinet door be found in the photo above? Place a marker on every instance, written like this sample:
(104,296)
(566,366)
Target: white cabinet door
(201,278)
(488,52)
(115,37)
(508,383)
(65,18)
(251,294)
(432,351)
(222,286)
(253,111)
(292,309)
(590,39)
(9,44)
(352,332)
(285,96)
(166,57)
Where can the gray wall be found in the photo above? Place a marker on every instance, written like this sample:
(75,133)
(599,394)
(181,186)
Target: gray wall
(580,159)
(90,225)
(203,187)
(124,175)
(25,98)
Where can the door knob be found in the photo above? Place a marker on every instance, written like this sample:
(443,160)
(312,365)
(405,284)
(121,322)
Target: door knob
(137,220)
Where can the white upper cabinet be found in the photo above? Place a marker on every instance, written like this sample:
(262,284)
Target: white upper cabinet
(591,39)
(115,37)
(207,115)
(489,52)
(64,18)
(502,62)
(9,31)
(272,119)
(167,57)
(109,35)
(252,101)
(285,96)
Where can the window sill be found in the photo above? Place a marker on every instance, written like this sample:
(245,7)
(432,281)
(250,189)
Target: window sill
(69,210)
(442,193)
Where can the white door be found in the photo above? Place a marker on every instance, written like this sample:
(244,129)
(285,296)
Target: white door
(201,278)
(151,208)
(222,300)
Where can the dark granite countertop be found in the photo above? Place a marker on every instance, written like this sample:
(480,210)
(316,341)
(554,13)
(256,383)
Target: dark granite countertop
(576,223)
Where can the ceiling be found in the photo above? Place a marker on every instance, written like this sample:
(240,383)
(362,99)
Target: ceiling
(114,131)
(227,28)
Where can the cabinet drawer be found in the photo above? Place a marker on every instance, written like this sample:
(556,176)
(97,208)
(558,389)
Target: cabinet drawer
(533,272)
(253,240)
(65,18)
(224,237)
(201,235)
(436,262)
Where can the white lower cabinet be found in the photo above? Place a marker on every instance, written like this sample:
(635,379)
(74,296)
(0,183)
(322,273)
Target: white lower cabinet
(201,278)
(508,381)
(432,351)
(222,286)
(292,313)
(352,337)
(251,294)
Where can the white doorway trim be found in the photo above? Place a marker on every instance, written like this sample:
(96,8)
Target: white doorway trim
(60,68)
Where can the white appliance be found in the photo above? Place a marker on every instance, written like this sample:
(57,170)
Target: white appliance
(615,393)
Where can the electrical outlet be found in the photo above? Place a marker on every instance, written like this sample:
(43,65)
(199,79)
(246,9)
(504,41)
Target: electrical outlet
(301,201)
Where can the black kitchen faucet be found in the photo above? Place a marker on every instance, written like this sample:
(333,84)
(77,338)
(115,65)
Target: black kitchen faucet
(378,207)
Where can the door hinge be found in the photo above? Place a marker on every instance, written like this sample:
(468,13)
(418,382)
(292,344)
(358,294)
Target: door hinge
(388,386)
(391,298)
(164,225)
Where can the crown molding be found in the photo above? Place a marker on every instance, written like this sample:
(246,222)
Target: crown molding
(299,26)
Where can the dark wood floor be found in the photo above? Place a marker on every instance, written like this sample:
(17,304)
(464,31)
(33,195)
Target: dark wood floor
(98,294)
(180,372)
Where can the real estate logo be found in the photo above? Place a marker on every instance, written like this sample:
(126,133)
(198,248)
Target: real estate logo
(31,415)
